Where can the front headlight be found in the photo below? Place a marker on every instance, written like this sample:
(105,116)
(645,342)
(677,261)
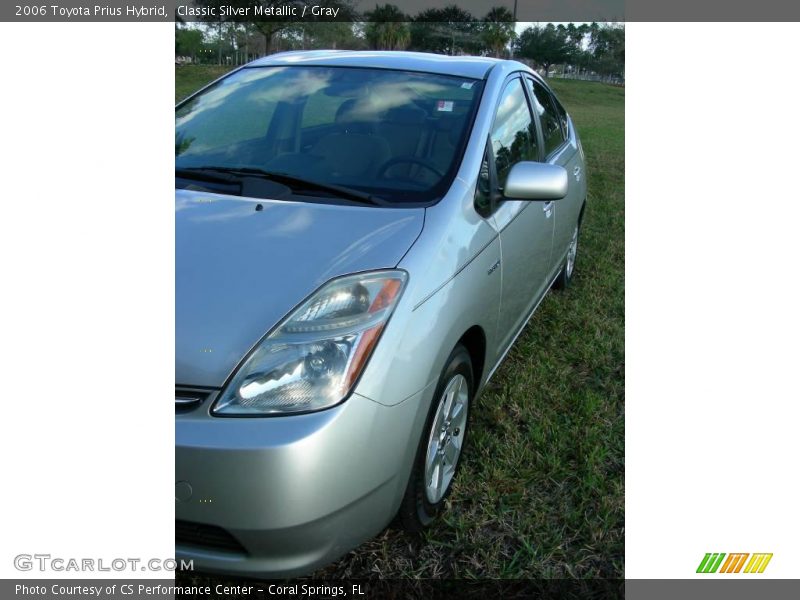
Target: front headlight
(314,356)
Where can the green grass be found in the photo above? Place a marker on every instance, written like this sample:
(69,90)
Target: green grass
(541,490)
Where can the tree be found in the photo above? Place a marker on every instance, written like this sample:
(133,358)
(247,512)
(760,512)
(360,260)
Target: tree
(545,46)
(607,45)
(321,32)
(218,21)
(387,28)
(270,28)
(498,30)
(244,39)
(581,57)
(576,34)
(308,35)
(188,42)
(450,30)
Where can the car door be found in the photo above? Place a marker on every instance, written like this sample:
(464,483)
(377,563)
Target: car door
(525,227)
(560,148)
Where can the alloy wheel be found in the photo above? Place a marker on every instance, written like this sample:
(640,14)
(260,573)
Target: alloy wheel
(572,253)
(446,438)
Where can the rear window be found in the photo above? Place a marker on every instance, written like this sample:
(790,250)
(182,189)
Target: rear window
(553,124)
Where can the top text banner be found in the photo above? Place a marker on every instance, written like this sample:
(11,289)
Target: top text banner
(296,10)
(359,10)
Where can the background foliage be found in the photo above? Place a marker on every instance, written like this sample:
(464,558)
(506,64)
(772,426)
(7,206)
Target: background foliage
(578,50)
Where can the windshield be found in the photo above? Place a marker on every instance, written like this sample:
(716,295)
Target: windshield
(396,135)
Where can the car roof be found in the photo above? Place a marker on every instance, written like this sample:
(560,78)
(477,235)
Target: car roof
(475,67)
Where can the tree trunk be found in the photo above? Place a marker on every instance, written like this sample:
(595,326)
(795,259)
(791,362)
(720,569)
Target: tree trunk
(219,43)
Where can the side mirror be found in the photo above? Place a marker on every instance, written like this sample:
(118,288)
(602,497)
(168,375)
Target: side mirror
(536,181)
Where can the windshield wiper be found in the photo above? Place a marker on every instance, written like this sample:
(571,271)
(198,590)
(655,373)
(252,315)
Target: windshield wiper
(289,180)
(209,175)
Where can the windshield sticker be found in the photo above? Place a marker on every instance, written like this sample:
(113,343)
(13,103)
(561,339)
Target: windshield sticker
(467,85)
(444,106)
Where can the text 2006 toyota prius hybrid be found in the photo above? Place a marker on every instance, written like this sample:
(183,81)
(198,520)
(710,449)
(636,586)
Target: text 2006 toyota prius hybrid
(360,237)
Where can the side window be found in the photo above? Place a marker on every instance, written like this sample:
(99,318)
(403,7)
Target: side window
(512,139)
(552,128)
(513,136)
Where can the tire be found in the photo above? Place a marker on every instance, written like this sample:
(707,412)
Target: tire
(422,502)
(568,270)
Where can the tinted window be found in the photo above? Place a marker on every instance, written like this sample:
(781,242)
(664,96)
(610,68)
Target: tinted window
(552,129)
(512,139)
(397,135)
(321,109)
(513,136)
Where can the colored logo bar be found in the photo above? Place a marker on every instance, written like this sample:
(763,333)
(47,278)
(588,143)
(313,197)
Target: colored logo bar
(713,562)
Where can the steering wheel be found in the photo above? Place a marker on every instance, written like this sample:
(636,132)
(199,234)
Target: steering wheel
(412,160)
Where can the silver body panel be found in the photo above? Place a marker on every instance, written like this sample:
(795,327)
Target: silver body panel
(299,491)
(238,270)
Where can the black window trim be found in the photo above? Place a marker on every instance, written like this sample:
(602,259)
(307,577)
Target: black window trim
(495,198)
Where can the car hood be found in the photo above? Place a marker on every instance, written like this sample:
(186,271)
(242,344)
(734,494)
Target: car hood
(242,264)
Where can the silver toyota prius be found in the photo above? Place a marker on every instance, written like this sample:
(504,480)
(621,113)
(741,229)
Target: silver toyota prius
(360,238)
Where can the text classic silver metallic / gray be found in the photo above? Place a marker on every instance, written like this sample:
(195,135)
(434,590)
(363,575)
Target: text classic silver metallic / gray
(360,237)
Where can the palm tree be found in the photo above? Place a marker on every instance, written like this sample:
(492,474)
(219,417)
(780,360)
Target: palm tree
(498,30)
(387,29)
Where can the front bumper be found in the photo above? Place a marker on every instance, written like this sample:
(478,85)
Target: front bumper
(293,493)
